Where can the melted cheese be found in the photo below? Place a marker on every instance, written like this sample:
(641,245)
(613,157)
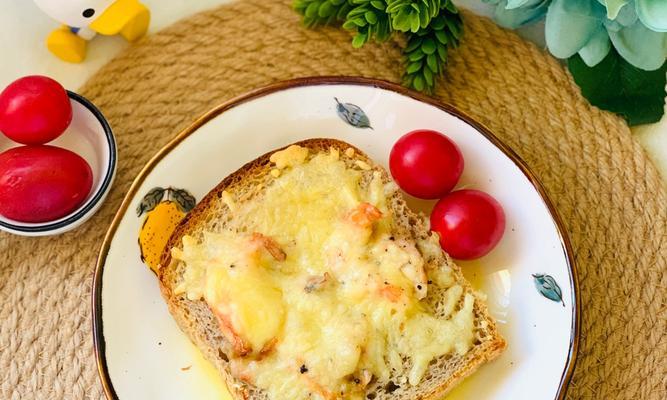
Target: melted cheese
(290,157)
(342,305)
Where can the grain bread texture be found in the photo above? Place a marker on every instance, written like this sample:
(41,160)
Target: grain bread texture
(212,215)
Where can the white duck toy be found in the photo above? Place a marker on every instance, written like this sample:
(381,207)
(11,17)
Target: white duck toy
(82,19)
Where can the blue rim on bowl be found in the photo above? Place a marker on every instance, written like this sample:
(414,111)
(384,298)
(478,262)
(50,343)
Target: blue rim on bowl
(91,205)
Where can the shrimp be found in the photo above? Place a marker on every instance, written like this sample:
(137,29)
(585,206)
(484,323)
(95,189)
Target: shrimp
(318,388)
(270,245)
(361,219)
(241,347)
(364,215)
(391,292)
(316,283)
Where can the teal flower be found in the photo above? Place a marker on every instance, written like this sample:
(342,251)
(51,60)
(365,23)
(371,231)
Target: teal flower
(652,13)
(637,29)
(515,13)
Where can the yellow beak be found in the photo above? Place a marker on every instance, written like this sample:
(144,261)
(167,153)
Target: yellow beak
(128,17)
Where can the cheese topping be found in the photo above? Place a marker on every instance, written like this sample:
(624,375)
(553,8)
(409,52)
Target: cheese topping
(228,200)
(363,165)
(292,156)
(314,293)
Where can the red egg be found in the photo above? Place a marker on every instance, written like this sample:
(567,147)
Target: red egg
(34,110)
(42,183)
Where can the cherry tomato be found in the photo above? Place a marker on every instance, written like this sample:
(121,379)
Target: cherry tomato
(42,183)
(34,110)
(426,164)
(470,223)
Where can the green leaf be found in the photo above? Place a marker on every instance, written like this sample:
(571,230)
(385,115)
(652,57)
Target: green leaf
(441,36)
(359,40)
(326,10)
(454,27)
(428,76)
(349,25)
(428,46)
(321,12)
(416,56)
(413,67)
(383,31)
(432,62)
(438,24)
(371,17)
(617,86)
(442,53)
(413,44)
(356,12)
(359,21)
(401,22)
(424,19)
(378,5)
(343,11)
(418,83)
(414,23)
(312,10)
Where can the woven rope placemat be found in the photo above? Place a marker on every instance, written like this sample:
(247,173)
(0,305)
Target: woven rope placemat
(607,192)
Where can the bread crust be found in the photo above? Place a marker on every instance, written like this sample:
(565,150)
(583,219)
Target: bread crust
(184,311)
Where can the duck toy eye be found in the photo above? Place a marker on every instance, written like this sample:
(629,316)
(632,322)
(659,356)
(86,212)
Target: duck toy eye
(89,12)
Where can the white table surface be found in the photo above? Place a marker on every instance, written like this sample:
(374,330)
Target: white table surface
(23,29)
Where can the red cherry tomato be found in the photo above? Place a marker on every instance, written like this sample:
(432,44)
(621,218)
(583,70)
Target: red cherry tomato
(426,164)
(34,110)
(470,223)
(42,183)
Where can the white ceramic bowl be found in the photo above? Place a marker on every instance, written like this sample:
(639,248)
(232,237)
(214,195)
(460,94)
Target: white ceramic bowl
(90,136)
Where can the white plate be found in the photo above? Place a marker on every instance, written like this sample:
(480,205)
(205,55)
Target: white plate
(141,352)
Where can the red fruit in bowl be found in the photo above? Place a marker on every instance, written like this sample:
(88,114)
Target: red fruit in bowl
(34,110)
(426,164)
(42,183)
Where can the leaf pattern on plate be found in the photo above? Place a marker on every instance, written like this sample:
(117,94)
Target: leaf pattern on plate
(548,287)
(352,114)
(150,200)
(184,199)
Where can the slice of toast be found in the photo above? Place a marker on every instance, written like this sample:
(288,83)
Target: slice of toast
(199,323)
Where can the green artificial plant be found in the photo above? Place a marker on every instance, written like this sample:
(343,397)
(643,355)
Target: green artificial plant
(430,28)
